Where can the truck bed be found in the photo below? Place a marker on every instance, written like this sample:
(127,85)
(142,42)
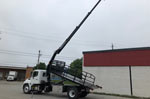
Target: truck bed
(85,79)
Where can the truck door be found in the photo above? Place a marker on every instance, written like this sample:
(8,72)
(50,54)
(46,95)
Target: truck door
(35,78)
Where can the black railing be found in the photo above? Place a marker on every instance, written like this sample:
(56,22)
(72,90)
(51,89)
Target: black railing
(74,75)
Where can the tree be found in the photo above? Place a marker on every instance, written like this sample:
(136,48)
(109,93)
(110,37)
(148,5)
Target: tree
(40,66)
(76,66)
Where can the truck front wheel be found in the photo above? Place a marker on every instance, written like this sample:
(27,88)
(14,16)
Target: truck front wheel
(26,89)
(73,93)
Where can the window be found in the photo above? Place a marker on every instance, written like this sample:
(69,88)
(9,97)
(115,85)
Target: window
(44,74)
(35,74)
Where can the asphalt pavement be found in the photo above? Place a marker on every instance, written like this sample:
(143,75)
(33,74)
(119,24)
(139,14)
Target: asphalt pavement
(13,90)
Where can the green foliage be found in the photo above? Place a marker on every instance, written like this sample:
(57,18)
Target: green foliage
(65,82)
(40,66)
(76,67)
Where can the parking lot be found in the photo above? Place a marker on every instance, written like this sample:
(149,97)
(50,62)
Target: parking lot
(13,90)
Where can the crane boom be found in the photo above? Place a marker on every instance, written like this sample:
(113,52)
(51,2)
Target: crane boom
(68,39)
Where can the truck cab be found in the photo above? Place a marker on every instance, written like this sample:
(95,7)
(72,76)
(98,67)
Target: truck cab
(38,77)
(12,76)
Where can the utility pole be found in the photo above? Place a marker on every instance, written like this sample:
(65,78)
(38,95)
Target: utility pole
(112,46)
(39,55)
(0,33)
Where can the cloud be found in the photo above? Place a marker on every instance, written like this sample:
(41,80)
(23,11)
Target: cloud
(36,24)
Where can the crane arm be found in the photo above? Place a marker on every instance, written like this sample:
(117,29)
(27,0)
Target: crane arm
(68,39)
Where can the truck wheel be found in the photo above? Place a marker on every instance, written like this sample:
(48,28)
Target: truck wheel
(26,89)
(83,94)
(73,93)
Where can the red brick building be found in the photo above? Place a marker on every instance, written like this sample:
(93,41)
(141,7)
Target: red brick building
(118,57)
(111,68)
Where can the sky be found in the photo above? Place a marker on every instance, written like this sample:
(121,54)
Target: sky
(27,26)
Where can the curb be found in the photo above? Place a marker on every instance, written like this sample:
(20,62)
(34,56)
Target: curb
(119,95)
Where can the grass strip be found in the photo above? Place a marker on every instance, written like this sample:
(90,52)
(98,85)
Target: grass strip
(120,95)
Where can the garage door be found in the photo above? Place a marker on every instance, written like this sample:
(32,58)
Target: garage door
(1,75)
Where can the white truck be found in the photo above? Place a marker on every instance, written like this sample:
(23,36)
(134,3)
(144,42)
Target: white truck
(12,76)
(40,80)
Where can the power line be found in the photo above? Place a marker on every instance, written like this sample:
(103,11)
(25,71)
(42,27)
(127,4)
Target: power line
(51,38)
(20,65)
(62,57)
(18,52)
(17,64)
(23,32)
(30,54)
(14,32)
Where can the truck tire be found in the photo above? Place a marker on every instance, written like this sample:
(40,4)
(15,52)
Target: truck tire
(26,89)
(83,94)
(73,93)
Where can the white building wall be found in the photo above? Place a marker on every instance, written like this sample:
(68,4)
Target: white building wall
(116,79)
(112,79)
(141,81)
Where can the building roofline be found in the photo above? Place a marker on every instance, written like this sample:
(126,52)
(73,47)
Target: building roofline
(117,50)
(11,67)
